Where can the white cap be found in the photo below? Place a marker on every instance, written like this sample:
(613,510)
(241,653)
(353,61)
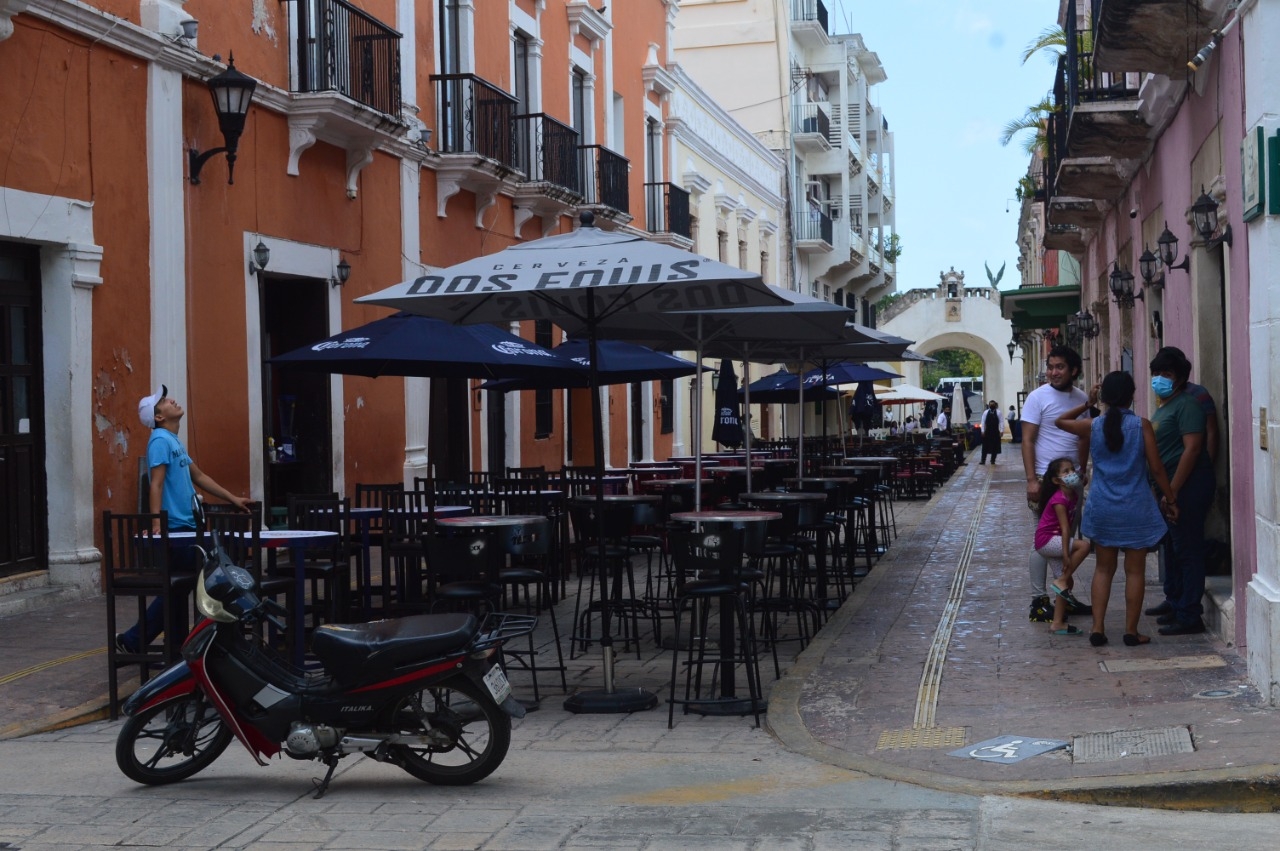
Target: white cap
(147,406)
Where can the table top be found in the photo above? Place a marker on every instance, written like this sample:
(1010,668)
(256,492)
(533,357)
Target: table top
(478,521)
(826,480)
(440,510)
(790,496)
(273,535)
(713,516)
(879,459)
(670,483)
(588,499)
(852,468)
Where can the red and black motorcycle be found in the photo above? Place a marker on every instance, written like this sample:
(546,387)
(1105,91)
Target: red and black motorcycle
(426,692)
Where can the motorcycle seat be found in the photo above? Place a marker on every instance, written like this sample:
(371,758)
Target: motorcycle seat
(368,651)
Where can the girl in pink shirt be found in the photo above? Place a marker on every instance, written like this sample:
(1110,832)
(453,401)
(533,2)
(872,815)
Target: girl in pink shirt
(1058,500)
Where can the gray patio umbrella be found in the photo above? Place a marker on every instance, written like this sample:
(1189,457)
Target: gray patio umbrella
(582,278)
(748,333)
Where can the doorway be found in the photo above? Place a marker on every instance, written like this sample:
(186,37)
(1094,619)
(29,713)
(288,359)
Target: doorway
(297,434)
(23,506)
(496,405)
(637,421)
(449,430)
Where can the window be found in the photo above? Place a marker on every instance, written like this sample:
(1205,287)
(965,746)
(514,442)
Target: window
(520,71)
(543,400)
(578,96)
(450,37)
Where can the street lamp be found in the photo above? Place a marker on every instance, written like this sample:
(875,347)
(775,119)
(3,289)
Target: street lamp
(1167,245)
(1012,347)
(1121,284)
(232,93)
(1205,214)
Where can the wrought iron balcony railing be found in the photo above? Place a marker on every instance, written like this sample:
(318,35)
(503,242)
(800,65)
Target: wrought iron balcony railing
(667,209)
(547,151)
(810,118)
(475,117)
(813,225)
(605,174)
(810,10)
(344,50)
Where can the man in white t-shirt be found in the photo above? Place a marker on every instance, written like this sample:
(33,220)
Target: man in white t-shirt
(943,424)
(1042,442)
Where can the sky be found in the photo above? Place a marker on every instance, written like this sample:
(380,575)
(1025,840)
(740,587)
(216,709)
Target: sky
(955,78)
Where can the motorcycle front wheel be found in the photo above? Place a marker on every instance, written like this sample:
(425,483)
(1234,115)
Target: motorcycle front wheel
(172,741)
(466,734)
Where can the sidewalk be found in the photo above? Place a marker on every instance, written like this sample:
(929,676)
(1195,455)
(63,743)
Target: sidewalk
(949,600)
(935,652)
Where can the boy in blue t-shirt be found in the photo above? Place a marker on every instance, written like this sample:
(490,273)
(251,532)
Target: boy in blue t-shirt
(174,479)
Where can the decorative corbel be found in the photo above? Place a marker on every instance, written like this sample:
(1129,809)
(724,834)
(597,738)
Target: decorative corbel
(8,9)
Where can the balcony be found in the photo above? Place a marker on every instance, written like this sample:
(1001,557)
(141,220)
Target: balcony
(809,22)
(1101,107)
(606,188)
(1157,38)
(342,49)
(1061,237)
(475,135)
(813,232)
(667,214)
(346,90)
(548,156)
(811,126)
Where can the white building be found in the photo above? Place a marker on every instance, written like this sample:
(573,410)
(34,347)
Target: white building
(807,95)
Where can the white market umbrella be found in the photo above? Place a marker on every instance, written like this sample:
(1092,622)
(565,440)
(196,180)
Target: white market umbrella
(582,279)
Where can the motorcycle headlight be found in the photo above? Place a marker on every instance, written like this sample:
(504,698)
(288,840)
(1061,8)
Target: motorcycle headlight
(209,607)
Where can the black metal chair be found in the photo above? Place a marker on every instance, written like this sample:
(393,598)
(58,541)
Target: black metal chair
(528,581)
(327,563)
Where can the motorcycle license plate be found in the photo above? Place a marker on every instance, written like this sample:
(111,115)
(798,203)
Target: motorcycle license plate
(496,682)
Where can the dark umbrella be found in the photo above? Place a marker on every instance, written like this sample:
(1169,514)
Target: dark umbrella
(586,277)
(845,373)
(404,344)
(620,363)
(783,388)
(864,406)
(727,430)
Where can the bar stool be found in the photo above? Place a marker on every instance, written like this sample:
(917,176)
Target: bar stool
(615,525)
(531,547)
(708,565)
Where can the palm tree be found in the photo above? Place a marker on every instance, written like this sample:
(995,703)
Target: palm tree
(1034,119)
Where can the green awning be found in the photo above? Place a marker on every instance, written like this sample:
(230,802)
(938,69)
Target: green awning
(1039,308)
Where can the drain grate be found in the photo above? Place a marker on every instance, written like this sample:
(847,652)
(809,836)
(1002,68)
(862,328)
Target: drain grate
(1116,666)
(921,737)
(1126,744)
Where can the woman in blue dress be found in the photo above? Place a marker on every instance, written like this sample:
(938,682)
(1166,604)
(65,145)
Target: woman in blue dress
(1121,512)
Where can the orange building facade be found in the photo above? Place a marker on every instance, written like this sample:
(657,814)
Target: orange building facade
(387,137)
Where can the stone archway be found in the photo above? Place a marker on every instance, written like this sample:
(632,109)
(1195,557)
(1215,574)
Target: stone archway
(953,316)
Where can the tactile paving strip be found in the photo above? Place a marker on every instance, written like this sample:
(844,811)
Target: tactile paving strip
(1126,744)
(921,737)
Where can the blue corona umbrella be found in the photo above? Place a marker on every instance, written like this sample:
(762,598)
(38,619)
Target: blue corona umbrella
(620,363)
(783,388)
(409,345)
(845,373)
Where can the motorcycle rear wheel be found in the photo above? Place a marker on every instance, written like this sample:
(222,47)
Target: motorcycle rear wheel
(165,743)
(473,733)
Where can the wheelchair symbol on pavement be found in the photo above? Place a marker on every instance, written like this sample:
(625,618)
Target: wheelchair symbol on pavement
(1008,749)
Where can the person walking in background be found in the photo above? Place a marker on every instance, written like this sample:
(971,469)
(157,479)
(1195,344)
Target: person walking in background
(1180,428)
(1042,441)
(992,432)
(1059,497)
(943,423)
(1122,512)
(174,478)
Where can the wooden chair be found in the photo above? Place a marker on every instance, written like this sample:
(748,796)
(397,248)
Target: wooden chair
(140,567)
(240,536)
(326,564)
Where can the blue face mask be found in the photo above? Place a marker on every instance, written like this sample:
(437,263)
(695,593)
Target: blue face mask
(1162,386)
(1071,480)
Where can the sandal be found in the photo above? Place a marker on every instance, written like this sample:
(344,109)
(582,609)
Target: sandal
(1069,630)
(1133,639)
(1097,639)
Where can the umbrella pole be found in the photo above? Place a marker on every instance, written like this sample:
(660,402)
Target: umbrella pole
(746,432)
(609,700)
(697,423)
(800,450)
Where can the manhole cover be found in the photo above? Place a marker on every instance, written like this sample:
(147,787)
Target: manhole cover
(1116,666)
(1216,693)
(1126,744)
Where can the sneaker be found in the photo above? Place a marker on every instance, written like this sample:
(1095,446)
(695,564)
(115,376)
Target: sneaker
(1041,610)
(1075,607)
(121,647)
(1164,608)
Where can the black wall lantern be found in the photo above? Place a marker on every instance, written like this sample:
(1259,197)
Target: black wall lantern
(1149,267)
(1167,245)
(1121,283)
(1205,214)
(1073,329)
(259,258)
(1088,325)
(1012,347)
(344,272)
(232,93)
